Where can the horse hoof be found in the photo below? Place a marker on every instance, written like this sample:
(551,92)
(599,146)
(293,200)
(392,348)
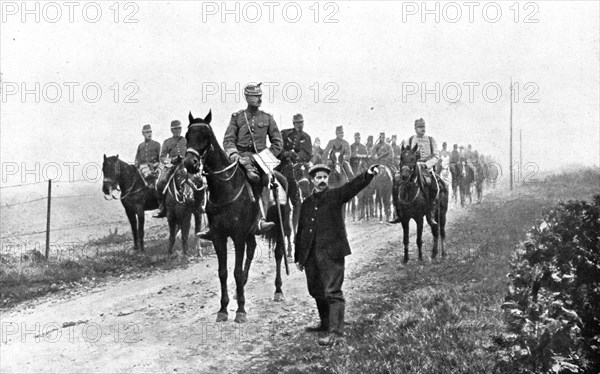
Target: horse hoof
(221,317)
(278,296)
(240,317)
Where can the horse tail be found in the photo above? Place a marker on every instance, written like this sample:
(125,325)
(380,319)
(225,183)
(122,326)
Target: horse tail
(275,237)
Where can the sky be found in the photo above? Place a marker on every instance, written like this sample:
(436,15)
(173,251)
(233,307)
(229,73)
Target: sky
(80,81)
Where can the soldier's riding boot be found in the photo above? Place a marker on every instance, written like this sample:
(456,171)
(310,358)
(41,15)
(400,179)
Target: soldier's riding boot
(161,183)
(262,227)
(251,170)
(431,198)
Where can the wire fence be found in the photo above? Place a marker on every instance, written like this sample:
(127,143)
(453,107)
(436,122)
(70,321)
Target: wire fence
(49,198)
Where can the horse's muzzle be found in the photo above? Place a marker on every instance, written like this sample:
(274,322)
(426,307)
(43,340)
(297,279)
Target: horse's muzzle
(192,164)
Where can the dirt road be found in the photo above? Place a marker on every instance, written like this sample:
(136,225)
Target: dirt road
(165,322)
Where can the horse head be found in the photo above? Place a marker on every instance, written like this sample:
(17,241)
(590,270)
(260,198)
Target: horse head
(112,173)
(408,161)
(199,139)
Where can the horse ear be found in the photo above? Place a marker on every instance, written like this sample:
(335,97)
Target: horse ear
(105,157)
(117,156)
(191,117)
(415,147)
(208,117)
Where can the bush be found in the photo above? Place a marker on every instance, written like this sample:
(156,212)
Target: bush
(552,309)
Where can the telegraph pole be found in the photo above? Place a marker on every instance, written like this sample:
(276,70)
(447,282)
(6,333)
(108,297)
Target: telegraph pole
(511,135)
(520,154)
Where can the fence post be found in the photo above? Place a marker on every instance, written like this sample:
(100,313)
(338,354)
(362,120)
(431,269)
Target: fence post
(48,219)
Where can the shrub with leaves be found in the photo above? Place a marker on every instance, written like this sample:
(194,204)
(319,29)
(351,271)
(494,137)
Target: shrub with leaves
(552,310)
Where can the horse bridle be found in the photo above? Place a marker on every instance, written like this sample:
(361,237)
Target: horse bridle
(117,174)
(235,165)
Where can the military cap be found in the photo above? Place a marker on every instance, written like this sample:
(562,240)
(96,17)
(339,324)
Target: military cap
(146,128)
(455,145)
(298,118)
(175,124)
(394,136)
(253,90)
(318,167)
(339,129)
(382,134)
(420,122)
(357,134)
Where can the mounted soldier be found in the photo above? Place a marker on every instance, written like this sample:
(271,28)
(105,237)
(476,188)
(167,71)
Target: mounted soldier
(296,143)
(245,137)
(173,147)
(338,145)
(428,158)
(317,152)
(297,153)
(146,157)
(397,152)
(382,153)
(358,154)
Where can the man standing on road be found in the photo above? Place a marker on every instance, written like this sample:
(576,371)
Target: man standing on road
(321,245)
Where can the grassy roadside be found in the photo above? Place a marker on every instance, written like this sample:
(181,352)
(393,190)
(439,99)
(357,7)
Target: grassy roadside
(26,278)
(441,317)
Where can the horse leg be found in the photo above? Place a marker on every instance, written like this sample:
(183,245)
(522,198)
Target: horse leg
(220,244)
(420,237)
(197,228)
(250,250)
(405,232)
(185,231)
(238,273)
(279,253)
(131,216)
(141,220)
(435,234)
(172,233)
(442,225)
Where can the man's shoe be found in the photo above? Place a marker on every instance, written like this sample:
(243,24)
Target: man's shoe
(329,340)
(206,234)
(264,227)
(318,328)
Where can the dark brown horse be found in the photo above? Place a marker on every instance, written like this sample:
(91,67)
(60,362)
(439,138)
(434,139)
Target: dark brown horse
(184,199)
(136,196)
(465,178)
(231,209)
(411,203)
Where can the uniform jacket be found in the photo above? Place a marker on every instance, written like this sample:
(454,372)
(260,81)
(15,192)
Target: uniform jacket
(147,153)
(173,147)
(382,153)
(428,149)
(321,226)
(454,156)
(357,152)
(240,134)
(297,142)
(337,145)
